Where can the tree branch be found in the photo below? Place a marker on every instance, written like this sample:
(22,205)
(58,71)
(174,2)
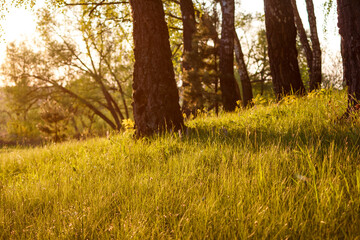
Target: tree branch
(176,28)
(96,4)
(94,8)
(82,100)
(173,16)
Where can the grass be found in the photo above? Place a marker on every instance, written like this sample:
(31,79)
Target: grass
(278,171)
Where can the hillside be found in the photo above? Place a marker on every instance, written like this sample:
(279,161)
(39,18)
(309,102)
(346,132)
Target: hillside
(288,170)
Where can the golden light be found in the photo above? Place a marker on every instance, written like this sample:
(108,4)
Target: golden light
(18,25)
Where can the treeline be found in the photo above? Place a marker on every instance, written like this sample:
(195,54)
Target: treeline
(82,78)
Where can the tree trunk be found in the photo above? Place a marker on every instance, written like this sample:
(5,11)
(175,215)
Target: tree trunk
(304,40)
(349,25)
(155,95)
(315,81)
(189,29)
(281,36)
(228,85)
(244,75)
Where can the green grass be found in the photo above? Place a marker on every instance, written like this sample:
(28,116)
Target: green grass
(281,171)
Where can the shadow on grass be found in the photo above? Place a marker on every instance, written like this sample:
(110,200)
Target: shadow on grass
(340,134)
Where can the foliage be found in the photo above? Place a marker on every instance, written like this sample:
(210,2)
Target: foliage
(173,19)
(55,120)
(259,64)
(333,76)
(203,89)
(21,131)
(21,94)
(20,99)
(129,126)
(329,8)
(260,100)
(101,61)
(256,46)
(253,39)
(286,171)
(81,56)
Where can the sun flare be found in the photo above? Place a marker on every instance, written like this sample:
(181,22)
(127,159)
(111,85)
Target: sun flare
(19,24)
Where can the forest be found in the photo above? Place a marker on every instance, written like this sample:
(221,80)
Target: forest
(180,119)
(79,77)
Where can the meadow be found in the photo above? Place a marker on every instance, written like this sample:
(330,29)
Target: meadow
(288,170)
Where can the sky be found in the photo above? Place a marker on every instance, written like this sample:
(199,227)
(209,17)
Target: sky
(20,24)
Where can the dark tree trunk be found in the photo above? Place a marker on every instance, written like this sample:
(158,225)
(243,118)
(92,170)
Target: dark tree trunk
(303,40)
(315,81)
(156,99)
(281,36)
(349,25)
(228,85)
(216,40)
(189,29)
(244,75)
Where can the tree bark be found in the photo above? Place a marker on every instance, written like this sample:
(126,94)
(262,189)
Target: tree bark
(189,29)
(228,85)
(304,40)
(349,28)
(281,36)
(155,95)
(244,75)
(315,81)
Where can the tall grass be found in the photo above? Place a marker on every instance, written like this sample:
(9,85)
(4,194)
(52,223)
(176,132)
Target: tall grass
(287,170)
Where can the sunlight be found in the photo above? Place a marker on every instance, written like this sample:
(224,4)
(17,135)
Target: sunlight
(19,24)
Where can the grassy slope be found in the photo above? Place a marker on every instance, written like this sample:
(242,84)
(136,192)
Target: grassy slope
(280,171)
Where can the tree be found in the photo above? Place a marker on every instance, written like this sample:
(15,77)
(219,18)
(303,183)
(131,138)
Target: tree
(313,53)
(156,100)
(229,88)
(315,81)
(86,67)
(21,96)
(244,75)
(281,36)
(349,28)
(190,79)
(203,92)
(260,60)
(256,58)
(19,92)
(55,120)
(189,27)
(304,41)
(173,18)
